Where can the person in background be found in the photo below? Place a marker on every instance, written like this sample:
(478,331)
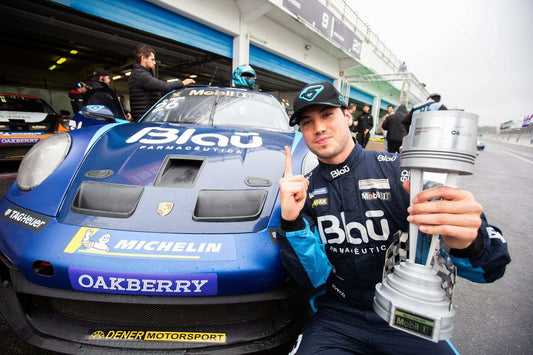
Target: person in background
(390,111)
(395,129)
(144,88)
(99,93)
(76,96)
(123,103)
(334,231)
(365,122)
(244,77)
(352,109)
(432,104)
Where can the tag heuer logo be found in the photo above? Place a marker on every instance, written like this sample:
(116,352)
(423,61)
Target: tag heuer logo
(164,208)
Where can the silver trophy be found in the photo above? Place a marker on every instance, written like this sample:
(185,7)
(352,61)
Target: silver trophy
(415,294)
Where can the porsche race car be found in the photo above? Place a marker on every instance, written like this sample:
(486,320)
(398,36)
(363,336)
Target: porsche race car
(24,121)
(156,235)
(93,115)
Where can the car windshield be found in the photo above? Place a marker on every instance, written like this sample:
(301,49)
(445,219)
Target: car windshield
(220,106)
(23,104)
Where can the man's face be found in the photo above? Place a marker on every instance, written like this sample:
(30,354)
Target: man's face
(105,79)
(149,62)
(366,109)
(389,110)
(326,133)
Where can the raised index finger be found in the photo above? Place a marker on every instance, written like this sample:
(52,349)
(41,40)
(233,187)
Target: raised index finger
(288,162)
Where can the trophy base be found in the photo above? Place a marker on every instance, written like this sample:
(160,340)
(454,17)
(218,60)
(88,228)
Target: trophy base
(411,299)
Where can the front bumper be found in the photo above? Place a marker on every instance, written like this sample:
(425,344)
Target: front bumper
(78,322)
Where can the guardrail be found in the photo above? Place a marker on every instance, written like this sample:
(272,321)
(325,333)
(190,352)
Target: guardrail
(523,135)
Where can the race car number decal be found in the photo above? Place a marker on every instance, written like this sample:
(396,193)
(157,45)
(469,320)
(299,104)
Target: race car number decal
(142,284)
(149,335)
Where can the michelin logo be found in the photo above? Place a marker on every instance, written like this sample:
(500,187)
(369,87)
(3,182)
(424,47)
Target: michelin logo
(89,240)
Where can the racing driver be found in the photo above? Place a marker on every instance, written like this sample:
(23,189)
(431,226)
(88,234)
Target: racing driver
(338,220)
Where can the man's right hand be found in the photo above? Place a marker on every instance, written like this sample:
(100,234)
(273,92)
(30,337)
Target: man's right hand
(292,190)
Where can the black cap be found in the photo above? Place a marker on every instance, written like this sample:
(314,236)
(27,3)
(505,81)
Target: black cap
(434,95)
(100,72)
(322,93)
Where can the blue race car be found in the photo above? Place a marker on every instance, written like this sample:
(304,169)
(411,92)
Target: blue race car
(93,115)
(156,235)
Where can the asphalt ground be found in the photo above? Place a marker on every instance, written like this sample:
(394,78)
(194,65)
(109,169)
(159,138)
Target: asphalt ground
(491,319)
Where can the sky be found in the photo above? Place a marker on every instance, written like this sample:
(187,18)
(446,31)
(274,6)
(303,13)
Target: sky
(478,54)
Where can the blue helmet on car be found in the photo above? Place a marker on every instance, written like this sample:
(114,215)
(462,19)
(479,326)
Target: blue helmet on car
(244,76)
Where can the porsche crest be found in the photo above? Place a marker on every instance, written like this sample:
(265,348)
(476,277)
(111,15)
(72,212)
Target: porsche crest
(164,208)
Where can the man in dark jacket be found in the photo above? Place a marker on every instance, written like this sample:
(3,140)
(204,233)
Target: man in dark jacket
(100,93)
(144,88)
(365,122)
(395,129)
(337,222)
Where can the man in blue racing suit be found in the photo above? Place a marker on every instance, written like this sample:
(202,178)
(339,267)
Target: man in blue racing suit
(338,221)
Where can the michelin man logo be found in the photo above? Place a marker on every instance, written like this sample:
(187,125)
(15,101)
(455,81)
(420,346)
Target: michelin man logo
(310,93)
(98,245)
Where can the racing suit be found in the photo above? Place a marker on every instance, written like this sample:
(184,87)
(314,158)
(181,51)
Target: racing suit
(340,239)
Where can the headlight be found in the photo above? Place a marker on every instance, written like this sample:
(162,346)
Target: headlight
(309,162)
(42,160)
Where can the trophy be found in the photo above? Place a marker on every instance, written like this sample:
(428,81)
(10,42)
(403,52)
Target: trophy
(416,292)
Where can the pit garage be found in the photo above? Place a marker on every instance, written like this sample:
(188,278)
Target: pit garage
(48,47)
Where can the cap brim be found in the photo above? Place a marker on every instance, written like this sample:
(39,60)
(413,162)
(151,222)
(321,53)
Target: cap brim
(295,116)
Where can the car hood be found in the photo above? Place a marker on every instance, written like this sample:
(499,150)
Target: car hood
(177,178)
